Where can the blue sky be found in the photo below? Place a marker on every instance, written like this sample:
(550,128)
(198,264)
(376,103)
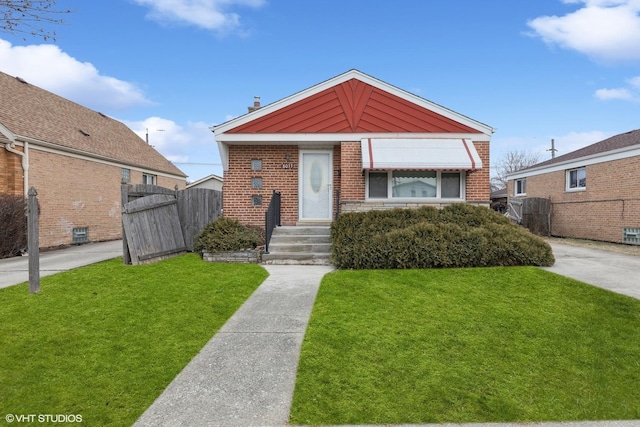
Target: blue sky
(534,70)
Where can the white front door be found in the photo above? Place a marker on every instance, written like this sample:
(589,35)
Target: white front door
(315,183)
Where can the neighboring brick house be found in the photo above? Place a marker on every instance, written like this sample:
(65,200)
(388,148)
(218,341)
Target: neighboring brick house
(350,143)
(594,191)
(76,159)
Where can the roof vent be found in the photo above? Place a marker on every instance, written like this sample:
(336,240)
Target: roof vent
(83,132)
(102,114)
(21,80)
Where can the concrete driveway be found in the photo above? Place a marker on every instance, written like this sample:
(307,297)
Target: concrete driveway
(615,272)
(16,270)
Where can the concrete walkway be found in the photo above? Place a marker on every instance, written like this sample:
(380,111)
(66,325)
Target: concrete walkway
(615,272)
(16,270)
(245,375)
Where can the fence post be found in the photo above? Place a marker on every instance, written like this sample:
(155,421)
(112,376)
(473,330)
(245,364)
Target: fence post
(124,199)
(33,240)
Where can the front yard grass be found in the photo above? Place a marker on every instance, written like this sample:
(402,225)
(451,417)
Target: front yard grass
(467,345)
(105,340)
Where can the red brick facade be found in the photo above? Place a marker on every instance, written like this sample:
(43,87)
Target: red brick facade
(339,113)
(609,203)
(348,180)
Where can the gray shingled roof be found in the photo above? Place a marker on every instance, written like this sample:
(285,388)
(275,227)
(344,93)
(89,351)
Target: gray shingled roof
(29,111)
(616,142)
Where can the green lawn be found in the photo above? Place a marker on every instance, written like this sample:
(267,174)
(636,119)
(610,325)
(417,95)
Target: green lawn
(105,340)
(467,345)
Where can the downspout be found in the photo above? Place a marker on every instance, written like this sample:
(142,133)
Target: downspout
(10,147)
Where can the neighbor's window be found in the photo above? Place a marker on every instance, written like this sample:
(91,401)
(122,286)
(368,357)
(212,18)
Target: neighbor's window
(148,179)
(521,187)
(576,179)
(126,176)
(414,185)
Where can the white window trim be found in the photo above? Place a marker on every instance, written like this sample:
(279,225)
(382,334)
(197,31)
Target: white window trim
(567,176)
(438,198)
(154,178)
(515,187)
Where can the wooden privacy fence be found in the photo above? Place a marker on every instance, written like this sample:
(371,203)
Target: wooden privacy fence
(158,222)
(536,215)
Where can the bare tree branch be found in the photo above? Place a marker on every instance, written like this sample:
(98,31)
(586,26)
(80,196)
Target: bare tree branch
(29,17)
(512,161)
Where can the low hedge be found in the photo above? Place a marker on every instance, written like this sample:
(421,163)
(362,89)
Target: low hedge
(459,235)
(227,234)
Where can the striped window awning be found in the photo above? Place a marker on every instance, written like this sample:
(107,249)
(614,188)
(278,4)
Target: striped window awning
(419,154)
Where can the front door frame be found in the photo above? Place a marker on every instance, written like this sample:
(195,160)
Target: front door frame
(301,171)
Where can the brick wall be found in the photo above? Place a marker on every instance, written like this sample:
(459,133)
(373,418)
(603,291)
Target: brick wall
(348,179)
(237,200)
(610,202)
(478,181)
(353,182)
(11,175)
(73,193)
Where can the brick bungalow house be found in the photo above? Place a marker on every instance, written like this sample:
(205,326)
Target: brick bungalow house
(76,159)
(350,143)
(594,191)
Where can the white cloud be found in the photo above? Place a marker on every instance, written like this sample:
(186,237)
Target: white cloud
(604,30)
(634,82)
(607,94)
(207,14)
(191,147)
(630,93)
(576,140)
(48,67)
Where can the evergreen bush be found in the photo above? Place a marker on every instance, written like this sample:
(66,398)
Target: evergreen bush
(13,231)
(227,234)
(459,235)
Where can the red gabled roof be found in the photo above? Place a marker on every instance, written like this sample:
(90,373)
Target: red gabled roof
(349,107)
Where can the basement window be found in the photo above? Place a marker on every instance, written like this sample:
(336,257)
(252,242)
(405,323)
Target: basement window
(80,235)
(256,200)
(631,236)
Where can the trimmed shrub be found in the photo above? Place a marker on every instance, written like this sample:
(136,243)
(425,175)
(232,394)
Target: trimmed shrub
(459,235)
(13,231)
(227,234)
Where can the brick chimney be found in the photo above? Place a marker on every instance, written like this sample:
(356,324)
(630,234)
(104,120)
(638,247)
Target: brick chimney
(256,104)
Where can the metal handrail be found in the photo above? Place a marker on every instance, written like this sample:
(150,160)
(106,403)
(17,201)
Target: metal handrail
(271,218)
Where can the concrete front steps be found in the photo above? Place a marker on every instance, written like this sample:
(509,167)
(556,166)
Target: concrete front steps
(299,245)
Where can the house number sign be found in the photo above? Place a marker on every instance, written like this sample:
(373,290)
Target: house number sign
(288,165)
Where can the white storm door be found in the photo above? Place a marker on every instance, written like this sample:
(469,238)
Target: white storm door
(315,183)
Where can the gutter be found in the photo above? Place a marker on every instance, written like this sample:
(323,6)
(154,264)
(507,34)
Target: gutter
(10,147)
